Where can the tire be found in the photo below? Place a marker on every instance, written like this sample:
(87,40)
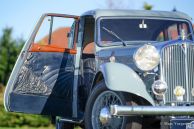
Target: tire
(100,99)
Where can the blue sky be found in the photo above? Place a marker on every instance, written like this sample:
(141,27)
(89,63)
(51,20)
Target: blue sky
(22,15)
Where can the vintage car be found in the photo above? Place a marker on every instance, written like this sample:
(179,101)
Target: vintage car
(111,69)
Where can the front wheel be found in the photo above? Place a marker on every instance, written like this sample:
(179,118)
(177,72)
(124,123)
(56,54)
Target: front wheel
(97,113)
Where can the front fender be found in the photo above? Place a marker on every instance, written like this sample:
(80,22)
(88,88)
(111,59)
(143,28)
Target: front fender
(119,77)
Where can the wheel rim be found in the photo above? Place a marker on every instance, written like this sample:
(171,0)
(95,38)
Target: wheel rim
(101,118)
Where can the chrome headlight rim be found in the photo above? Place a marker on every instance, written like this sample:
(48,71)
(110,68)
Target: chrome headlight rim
(138,66)
(159,87)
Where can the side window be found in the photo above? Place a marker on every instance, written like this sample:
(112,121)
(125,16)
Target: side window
(43,31)
(71,35)
(56,32)
(88,41)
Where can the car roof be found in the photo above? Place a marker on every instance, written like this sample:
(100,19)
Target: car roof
(136,13)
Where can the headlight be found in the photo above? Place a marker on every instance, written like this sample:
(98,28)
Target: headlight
(147,57)
(159,87)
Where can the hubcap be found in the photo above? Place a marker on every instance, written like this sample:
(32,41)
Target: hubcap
(101,117)
(105,116)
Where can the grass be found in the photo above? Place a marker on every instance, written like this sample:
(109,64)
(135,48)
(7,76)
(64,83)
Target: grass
(1,93)
(15,120)
(2,112)
(52,127)
(26,128)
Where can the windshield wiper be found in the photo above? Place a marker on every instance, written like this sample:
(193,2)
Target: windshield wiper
(115,35)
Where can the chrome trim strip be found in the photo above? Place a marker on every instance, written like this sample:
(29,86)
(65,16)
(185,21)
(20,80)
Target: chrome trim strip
(186,70)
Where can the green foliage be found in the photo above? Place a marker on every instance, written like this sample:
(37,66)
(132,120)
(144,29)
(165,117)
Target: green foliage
(19,120)
(147,6)
(27,127)
(9,49)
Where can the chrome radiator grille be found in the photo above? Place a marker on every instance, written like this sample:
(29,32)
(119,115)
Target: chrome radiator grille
(177,69)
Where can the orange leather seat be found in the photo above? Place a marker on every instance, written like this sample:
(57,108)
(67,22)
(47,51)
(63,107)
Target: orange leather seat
(89,48)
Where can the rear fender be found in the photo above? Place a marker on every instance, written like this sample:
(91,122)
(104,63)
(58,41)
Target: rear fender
(119,77)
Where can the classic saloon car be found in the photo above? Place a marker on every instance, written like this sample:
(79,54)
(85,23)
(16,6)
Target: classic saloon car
(113,69)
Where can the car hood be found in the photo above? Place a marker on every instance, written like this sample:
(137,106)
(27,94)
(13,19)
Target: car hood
(124,54)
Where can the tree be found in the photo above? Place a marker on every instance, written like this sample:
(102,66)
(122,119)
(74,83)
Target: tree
(118,4)
(147,6)
(9,49)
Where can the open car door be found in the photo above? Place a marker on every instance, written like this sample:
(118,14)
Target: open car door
(42,79)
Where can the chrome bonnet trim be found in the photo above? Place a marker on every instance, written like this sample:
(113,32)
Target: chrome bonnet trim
(151,110)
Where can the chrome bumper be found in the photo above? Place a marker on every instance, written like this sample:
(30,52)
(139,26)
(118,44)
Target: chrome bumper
(151,110)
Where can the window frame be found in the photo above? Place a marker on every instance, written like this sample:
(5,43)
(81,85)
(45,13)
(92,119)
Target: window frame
(51,48)
(125,17)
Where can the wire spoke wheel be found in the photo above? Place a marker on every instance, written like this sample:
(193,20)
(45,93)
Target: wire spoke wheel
(97,111)
(101,118)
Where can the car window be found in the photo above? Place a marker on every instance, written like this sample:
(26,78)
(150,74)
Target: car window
(172,32)
(56,31)
(140,30)
(160,37)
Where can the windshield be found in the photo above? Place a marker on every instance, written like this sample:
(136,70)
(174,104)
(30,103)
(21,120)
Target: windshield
(140,30)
